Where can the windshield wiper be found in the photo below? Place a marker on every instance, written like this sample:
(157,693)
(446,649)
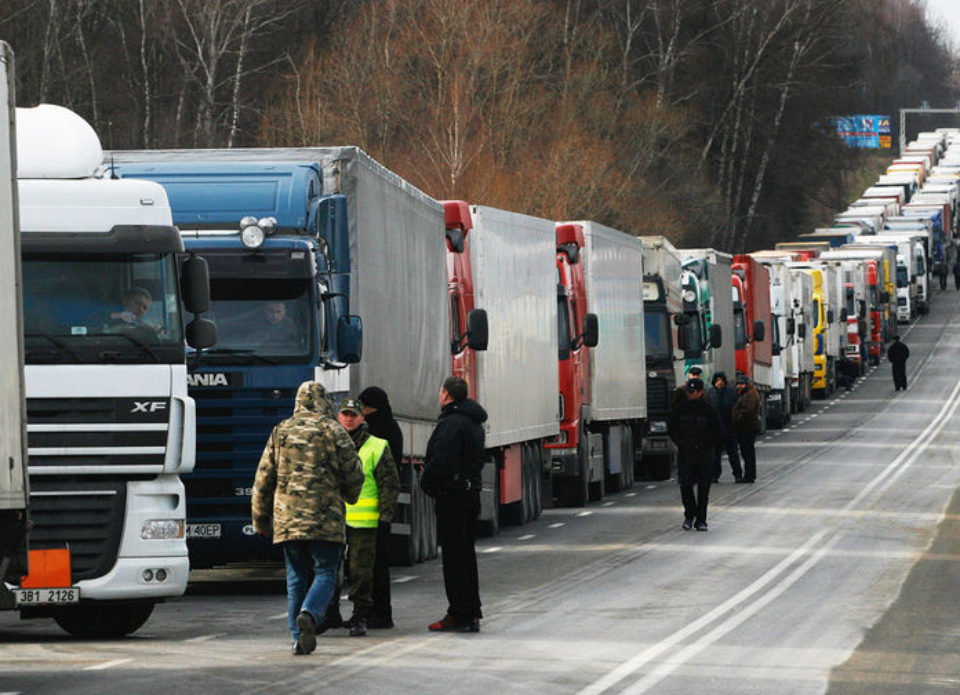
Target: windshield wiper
(61,344)
(241,352)
(139,343)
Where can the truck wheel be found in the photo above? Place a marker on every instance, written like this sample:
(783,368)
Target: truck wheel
(104,620)
(614,482)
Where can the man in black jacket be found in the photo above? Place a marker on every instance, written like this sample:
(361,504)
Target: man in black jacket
(898,353)
(451,474)
(694,426)
(379,418)
(722,396)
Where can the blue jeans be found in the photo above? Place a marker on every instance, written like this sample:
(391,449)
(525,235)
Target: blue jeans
(302,557)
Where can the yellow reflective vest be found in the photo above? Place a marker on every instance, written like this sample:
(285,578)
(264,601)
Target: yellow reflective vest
(366,512)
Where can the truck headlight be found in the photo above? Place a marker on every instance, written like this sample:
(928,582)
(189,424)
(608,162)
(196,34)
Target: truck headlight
(161,529)
(657,427)
(774,397)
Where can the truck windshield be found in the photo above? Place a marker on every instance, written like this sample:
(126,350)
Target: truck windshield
(739,329)
(261,320)
(656,335)
(903,278)
(103,308)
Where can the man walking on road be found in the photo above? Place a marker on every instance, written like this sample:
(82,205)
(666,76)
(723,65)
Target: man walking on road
(373,509)
(746,423)
(694,426)
(378,415)
(308,469)
(451,474)
(898,353)
(722,397)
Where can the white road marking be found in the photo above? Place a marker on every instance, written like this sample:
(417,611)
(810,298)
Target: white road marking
(557,525)
(207,638)
(527,537)
(633,494)
(403,579)
(494,549)
(281,616)
(584,513)
(757,593)
(107,664)
(608,504)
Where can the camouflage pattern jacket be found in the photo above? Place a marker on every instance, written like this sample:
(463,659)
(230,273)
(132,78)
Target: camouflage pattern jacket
(385,473)
(308,469)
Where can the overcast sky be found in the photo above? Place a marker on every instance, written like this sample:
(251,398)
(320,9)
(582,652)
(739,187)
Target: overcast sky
(949,12)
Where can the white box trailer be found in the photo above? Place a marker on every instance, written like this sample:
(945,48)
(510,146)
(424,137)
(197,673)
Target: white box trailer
(14,485)
(514,281)
(514,271)
(784,364)
(801,290)
(618,375)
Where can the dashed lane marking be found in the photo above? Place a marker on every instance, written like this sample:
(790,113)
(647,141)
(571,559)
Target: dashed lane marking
(107,664)
(281,616)
(584,513)
(207,638)
(403,579)
(557,525)
(608,504)
(527,537)
(494,549)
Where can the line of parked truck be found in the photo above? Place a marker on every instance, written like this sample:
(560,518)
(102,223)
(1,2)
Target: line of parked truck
(143,439)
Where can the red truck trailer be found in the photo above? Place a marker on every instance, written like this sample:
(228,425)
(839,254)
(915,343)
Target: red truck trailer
(751,313)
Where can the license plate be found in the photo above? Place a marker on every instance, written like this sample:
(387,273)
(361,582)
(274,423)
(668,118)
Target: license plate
(41,597)
(203,530)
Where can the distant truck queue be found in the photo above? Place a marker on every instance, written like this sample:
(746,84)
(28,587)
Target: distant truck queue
(321,264)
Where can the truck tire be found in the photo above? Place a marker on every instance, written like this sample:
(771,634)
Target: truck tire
(628,456)
(575,491)
(104,620)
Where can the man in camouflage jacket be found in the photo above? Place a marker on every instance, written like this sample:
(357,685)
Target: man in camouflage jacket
(308,469)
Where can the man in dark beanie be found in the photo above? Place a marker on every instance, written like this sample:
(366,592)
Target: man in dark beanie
(379,418)
(898,353)
(694,426)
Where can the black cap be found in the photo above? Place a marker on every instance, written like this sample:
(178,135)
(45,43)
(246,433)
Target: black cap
(742,379)
(352,405)
(694,372)
(695,385)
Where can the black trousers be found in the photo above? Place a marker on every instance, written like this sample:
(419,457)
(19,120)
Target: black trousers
(728,444)
(694,470)
(900,376)
(381,575)
(748,451)
(457,527)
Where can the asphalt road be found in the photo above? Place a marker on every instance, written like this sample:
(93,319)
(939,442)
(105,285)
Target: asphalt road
(837,572)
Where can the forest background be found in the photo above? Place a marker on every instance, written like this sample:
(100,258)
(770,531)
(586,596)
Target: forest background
(707,121)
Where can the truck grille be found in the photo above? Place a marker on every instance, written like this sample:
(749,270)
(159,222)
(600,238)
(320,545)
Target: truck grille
(104,433)
(232,428)
(85,516)
(657,396)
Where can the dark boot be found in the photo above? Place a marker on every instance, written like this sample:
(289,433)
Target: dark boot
(358,622)
(332,618)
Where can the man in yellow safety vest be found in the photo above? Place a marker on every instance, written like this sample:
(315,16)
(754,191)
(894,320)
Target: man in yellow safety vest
(378,499)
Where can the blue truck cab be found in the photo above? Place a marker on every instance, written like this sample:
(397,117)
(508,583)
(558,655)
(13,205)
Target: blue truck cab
(278,254)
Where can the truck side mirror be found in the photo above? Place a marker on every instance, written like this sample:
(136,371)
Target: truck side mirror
(802,331)
(350,338)
(591,330)
(830,316)
(758,331)
(681,320)
(884,297)
(683,337)
(201,333)
(791,326)
(843,314)
(716,335)
(477,329)
(195,284)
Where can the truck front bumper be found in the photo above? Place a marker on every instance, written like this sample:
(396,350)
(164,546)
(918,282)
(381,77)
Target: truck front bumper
(564,463)
(128,580)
